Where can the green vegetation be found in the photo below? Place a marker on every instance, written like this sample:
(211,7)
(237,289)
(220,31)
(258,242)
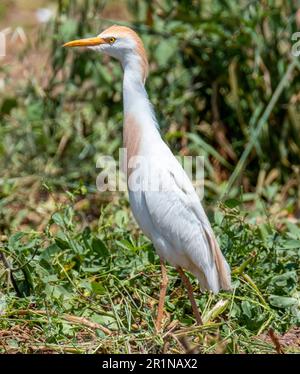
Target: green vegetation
(83,278)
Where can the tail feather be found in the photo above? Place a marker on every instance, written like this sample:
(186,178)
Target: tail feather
(220,278)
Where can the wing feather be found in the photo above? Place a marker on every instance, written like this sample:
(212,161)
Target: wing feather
(178,217)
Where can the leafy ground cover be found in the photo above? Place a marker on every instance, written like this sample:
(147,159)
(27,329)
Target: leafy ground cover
(76,274)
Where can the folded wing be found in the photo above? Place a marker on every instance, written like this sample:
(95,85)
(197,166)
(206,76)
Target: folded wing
(179,218)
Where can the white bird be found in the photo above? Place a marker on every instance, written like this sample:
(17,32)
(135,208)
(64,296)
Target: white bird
(171,216)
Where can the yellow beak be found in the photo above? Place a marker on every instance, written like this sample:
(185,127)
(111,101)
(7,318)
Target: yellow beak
(85,42)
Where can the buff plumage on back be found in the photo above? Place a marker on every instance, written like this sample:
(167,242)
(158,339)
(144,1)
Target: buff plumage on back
(140,50)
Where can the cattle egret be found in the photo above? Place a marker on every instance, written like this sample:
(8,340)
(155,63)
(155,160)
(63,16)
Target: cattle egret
(171,216)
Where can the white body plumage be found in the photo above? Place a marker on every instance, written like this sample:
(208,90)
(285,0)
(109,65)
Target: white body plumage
(172,218)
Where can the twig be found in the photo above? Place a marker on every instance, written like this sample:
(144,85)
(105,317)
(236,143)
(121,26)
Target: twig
(264,325)
(10,274)
(70,318)
(194,329)
(56,348)
(275,341)
(86,322)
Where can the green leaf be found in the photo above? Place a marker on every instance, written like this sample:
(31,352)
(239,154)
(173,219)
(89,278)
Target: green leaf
(62,241)
(151,255)
(164,51)
(99,247)
(98,288)
(293,229)
(195,138)
(246,308)
(126,245)
(282,301)
(291,244)
(58,219)
(219,216)
(51,250)
(15,238)
(232,203)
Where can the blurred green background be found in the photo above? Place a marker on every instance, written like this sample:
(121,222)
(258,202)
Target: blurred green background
(214,68)
(219,85)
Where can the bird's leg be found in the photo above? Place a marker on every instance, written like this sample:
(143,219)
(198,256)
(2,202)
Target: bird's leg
(162,295)
(189,288)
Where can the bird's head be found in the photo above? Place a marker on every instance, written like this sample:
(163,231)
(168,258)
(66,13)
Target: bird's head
(121,43)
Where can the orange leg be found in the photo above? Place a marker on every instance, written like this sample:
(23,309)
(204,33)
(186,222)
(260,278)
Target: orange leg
(189,288)
(162,295)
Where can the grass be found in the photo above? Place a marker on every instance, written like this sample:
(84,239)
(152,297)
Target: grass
(76,273)
(84,290)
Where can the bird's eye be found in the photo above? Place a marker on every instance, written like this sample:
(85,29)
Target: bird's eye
(112,40)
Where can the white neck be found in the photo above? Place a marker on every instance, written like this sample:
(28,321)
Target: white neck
(135,100)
